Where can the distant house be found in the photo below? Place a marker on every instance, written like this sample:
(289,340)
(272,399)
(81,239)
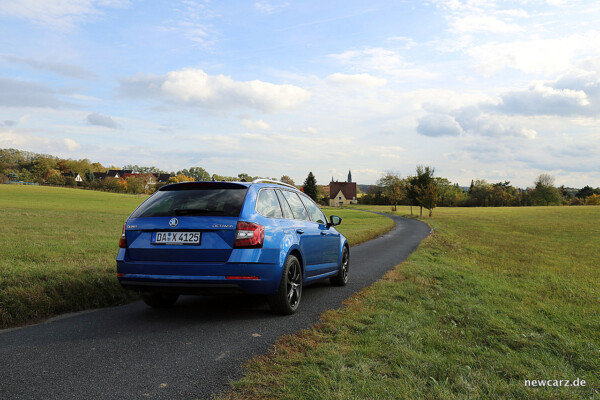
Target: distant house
(99,175)
(77,177)
(162,178)
(114,173)
(342,193)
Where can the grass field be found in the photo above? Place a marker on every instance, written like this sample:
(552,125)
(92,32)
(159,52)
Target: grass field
(58,249)
(493,298)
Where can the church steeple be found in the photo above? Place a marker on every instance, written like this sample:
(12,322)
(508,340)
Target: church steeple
(349,176)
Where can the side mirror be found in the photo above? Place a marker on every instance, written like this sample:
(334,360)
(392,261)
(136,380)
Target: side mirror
(335,220)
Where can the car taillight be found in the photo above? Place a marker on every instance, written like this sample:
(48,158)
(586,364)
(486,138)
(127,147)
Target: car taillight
(248,234)
(123,240)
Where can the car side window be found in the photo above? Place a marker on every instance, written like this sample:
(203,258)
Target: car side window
(287,211)
(296,205)
(268,205)
(315,212)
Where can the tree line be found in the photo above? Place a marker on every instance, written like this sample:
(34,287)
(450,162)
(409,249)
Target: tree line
(24,166)
(424,190)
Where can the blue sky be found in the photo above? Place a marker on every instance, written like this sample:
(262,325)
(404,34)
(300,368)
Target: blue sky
(488,89)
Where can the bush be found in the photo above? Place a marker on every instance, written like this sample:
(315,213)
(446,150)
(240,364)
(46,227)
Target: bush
(56,179)
(593,200)
(135,185)
(111,184)
(3,179)
(70,181)
(575,201)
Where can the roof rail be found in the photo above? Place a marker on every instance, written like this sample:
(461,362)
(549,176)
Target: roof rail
(260,180)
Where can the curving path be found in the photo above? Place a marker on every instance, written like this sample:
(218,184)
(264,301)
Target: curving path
(187,352)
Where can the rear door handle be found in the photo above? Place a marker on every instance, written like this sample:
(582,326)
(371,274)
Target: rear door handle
(300,231)
(324,233)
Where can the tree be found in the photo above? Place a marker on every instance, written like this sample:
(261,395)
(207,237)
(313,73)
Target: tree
(323,194)
(427,197)
(545,193)
(593,200)
(199,174)
(479,193)
(43,167)
(584,192)
(184,178)
(565,193)
(219,178)
(448,194)
(288,180)
(245,177)
(310,187)
(56,179)
(501,194)
(136,185)
(89,176)
(111,184)
(421,180)
(394,187)
(70,181)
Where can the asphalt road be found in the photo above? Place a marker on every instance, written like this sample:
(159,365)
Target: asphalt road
(186,352)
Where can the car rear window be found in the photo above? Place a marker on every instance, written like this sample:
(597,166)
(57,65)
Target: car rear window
(225,202)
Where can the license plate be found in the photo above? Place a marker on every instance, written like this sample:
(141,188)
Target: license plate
(191,238)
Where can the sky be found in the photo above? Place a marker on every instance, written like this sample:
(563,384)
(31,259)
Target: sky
(478,89)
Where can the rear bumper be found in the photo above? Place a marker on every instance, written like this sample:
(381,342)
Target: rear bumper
(199,278)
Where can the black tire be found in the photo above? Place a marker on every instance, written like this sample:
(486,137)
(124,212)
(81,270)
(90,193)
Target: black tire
(287,298)
(159,300)
(341,279)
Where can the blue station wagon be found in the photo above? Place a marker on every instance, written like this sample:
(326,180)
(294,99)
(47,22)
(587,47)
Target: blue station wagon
(264,237)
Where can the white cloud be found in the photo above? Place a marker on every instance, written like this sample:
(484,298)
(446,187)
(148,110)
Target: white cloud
(381,60)
(61,15)
(550,55)
(21,139)
(192,22)
(71,144)
(387,151)
(482,23)
(194,87)
(269,7)
(372,59)
(356,80)
(474,121)
(540,99)
(404,42)
(249,123)
(309,130)
(435,125)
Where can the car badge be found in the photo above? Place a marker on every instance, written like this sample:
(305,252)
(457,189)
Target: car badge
(173,222)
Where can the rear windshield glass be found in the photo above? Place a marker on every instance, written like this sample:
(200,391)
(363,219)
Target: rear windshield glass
(210,202)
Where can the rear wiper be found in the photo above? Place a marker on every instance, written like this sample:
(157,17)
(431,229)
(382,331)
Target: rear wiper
(189,211)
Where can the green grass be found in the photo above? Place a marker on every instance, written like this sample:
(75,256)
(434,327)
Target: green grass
(359,226)
(494,297)
(58,249)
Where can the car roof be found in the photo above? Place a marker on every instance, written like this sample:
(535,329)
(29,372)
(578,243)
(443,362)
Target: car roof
(221,185)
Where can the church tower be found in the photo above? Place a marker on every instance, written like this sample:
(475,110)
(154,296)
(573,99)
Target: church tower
(349,176)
